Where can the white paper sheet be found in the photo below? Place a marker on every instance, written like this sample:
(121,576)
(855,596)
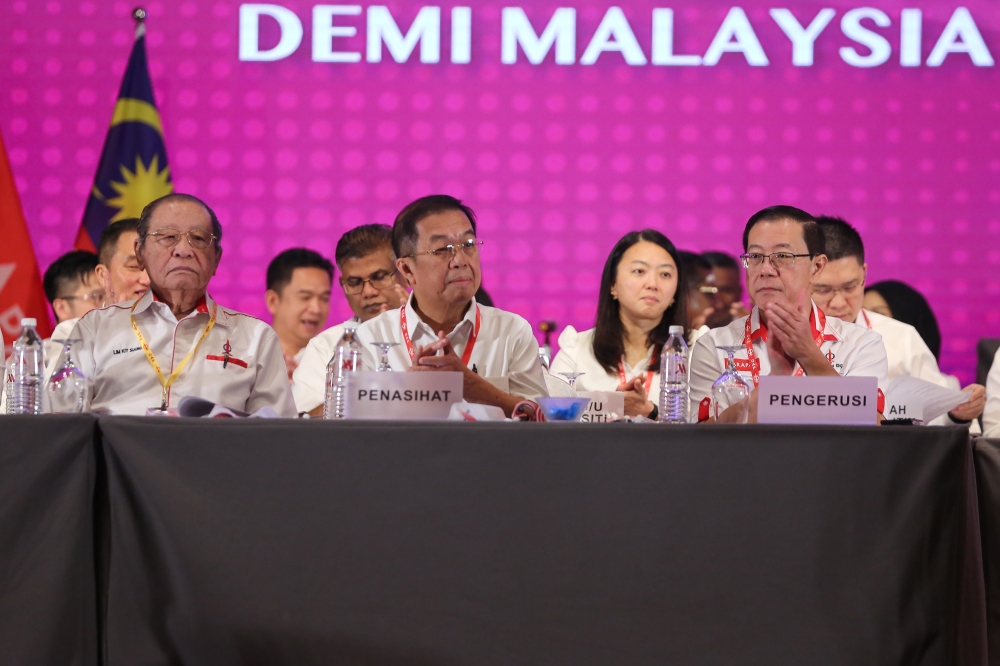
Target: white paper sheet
(936,400)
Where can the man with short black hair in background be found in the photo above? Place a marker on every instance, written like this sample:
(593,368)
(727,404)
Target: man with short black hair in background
(298,298)
(371,286)
(118,270)
(71,285)
(703,297)
(73,290)
(726,271)
(840,292)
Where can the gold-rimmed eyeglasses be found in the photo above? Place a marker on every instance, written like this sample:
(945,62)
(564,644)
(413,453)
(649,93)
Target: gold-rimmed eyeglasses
(469,248)
(196,238)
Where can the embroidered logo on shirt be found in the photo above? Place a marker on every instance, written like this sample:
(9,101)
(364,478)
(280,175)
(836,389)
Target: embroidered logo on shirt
(226,357)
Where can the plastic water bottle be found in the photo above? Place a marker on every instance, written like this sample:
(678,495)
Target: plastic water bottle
(346,359)
(27,365)
(8,388)
(674,378)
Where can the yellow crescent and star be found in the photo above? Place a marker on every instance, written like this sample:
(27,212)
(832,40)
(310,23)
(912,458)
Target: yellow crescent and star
(146,182)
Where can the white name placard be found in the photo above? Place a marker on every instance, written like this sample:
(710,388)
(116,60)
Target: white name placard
(402,395)
(604,406)
(904,408)
(818,400)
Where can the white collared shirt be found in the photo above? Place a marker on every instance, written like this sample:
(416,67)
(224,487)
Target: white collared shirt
(251,376)
(908,354)
(991,415)
(505,353)
(576,354)
(309,379)
(854,351)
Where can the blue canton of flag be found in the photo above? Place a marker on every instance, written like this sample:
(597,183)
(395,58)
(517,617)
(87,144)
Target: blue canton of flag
(133,169)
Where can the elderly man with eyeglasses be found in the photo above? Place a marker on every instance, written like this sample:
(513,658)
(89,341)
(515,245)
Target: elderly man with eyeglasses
(785,333)
(371,284)
(175,340)
(441,327)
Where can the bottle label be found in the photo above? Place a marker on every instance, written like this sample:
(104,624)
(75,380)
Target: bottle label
(676,370)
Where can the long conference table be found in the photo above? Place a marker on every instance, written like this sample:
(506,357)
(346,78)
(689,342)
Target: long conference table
(133,541)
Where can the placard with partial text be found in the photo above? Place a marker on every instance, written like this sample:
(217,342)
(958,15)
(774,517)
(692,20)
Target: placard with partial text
(604,407)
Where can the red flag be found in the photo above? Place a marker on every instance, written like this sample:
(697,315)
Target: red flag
(21,293)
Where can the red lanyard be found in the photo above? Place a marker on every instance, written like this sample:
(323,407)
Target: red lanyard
(754,363)
(623,380)
(468,346)
(868,322)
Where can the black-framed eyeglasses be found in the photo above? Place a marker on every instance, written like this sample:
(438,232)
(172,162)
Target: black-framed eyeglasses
(777,259)
(469,248)
(196,238)
(380,280)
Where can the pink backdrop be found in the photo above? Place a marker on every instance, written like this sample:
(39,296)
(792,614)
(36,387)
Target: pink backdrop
(559,161)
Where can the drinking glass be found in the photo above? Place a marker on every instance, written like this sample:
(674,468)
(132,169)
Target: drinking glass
(571,378)
(730,390)
(384,347)
(68,389)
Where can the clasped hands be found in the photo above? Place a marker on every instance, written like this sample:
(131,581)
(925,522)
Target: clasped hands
(426,358)
(790,339)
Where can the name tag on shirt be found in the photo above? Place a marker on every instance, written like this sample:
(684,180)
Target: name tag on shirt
(818,400)
(402,395)
(604,406)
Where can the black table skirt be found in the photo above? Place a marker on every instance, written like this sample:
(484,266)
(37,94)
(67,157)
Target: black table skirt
(351,543)
(987,453)
(48,603)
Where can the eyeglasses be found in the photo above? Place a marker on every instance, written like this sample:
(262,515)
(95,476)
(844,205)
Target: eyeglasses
(847,290)
(708,289)
(777,259)
(470,248)
(196,238)
(97,296)
(380,280)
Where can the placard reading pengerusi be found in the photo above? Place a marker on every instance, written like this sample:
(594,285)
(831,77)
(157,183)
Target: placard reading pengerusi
(818,400)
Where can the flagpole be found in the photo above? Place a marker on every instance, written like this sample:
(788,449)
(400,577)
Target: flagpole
(139,15)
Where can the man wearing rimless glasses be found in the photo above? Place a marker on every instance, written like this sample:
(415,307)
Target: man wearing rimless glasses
(785,333)
(441,327)
(371,285)
(840,292)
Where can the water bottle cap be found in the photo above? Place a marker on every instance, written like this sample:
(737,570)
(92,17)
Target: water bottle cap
(29,321)
(676,330)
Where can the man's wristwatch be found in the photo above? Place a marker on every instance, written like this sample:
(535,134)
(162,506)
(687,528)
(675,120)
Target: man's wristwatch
(958,421)
(653,414)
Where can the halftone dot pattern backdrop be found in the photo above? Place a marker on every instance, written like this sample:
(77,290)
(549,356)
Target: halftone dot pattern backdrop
(558,161)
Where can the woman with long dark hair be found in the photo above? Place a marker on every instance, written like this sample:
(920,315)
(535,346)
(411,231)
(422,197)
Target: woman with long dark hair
(642,295)
(900,301)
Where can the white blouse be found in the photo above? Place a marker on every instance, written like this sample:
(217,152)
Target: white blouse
(576,354)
